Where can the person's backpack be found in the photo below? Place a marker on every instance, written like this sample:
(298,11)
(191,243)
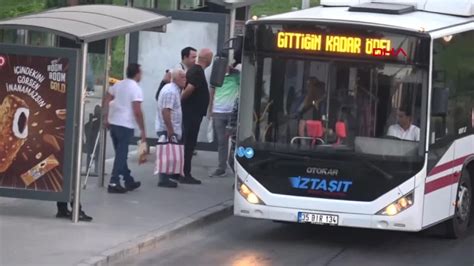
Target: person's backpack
(162,84)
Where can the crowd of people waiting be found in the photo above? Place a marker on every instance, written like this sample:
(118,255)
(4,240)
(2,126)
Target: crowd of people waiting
(183,100)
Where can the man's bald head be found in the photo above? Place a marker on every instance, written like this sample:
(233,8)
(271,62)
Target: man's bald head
(178,76)
(205,57)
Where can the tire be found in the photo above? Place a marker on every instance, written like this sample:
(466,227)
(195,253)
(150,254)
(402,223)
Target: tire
(458,225)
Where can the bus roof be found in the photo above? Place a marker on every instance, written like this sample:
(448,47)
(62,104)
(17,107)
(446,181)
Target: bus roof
(412,21)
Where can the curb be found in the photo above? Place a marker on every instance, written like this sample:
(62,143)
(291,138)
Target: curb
(151,240)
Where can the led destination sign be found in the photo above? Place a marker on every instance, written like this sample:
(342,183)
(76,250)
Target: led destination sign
(337,44)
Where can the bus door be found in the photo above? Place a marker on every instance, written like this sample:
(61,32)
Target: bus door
(440,157)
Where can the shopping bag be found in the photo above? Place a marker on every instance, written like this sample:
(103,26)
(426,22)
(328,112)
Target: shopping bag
(142,152)
(169,158)
(210,131)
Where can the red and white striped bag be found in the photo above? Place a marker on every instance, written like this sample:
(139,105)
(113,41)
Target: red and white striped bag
(169,158)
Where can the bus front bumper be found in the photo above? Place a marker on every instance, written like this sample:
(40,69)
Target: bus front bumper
(404,221)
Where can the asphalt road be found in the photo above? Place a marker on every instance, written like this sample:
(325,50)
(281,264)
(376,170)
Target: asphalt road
(245,242)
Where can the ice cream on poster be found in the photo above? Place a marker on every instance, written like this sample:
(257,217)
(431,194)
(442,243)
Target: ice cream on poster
(33,121)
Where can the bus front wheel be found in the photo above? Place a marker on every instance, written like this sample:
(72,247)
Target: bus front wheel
(458,225)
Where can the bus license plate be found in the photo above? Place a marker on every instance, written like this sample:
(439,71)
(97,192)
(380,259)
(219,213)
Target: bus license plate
(317,218)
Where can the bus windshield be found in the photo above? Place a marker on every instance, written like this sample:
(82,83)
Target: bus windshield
(345,99)
(301,105)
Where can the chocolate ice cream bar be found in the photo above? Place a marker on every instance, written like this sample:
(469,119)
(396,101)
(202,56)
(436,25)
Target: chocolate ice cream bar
(40,170)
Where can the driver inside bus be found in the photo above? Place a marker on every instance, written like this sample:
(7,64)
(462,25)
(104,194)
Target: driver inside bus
(404,129)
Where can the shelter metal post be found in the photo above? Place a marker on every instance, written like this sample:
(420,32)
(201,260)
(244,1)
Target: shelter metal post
(127,45)
(80,127)
(103,131)
(247,13)
(25,37)
(305,4)
(233,14)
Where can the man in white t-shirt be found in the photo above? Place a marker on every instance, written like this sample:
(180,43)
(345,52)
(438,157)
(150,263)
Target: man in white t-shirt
(404,129)
(124,113)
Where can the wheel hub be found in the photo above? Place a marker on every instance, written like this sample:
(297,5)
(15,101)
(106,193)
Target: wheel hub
(464,203)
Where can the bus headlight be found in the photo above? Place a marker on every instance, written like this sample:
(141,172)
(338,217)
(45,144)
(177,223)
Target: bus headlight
(398,206)
(248,194)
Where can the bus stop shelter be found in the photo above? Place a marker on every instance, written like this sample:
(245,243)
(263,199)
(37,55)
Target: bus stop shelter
(45,88)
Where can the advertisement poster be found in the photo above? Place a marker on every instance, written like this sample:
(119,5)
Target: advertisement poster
(33,100)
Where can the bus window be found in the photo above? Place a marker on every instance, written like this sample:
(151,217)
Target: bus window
(262,107)
(312,104)
(453,69)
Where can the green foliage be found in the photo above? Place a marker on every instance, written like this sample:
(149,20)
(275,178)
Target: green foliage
(15,8)
(55,3)
(61,3)
(118,54)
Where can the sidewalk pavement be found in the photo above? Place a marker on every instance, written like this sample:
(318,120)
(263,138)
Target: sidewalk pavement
(123,224)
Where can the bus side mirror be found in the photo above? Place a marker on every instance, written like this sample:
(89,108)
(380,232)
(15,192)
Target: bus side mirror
(219,69)
(439,101)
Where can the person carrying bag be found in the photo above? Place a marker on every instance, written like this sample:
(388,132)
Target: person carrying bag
(169,122)
(169,156)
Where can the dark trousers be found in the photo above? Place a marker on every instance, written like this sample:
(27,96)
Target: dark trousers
(62,206)
(191,125)
(220,122)
(121,138)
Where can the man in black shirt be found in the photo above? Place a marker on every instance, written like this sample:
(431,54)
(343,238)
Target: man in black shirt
(195,103)
(188,59)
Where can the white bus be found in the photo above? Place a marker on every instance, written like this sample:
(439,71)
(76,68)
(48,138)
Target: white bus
(359,114)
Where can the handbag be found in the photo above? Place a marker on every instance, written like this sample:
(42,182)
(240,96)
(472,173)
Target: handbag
(169,157)
(210,131)
(142,152)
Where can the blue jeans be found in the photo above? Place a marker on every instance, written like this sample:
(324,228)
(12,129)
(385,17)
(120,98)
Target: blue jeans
(121,137)
(163,178)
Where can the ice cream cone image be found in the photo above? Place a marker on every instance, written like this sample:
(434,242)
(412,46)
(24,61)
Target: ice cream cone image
(14,114)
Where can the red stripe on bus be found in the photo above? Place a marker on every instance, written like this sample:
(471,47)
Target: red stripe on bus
(446,166)
(442,182)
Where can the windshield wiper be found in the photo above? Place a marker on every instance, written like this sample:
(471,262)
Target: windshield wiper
(279,156)
(290,156)
(293,157)
(307,158)
(374,167)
